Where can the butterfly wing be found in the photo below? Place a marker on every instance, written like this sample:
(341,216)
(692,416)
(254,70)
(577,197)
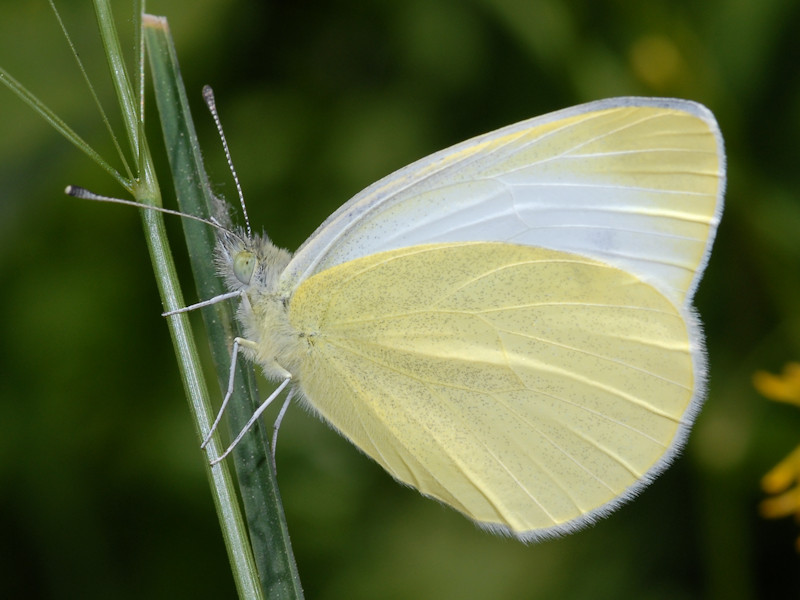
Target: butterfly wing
(530,389)
(505,325)
(634,182)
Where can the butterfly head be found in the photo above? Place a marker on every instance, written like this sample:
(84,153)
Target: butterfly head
(252,264)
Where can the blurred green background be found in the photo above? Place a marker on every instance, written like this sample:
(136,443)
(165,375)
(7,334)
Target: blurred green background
(102,489)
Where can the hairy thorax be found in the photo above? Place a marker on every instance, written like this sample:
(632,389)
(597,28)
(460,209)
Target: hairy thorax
(253,265)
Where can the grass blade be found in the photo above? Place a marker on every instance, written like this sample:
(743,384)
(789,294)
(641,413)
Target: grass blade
(268,532)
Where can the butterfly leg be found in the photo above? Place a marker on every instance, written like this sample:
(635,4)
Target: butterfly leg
(208,302)
(237,343)
(252,420)
(277,426)
(228,392)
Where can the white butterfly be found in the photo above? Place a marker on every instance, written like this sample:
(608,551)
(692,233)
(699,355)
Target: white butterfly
(506,325)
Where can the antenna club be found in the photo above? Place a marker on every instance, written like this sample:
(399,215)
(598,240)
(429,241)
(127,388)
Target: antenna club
(78,192)
(208,96)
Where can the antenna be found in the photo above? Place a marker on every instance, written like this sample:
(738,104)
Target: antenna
(82,193)
(208,96)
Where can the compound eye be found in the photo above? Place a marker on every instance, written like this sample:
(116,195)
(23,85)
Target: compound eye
(244,263)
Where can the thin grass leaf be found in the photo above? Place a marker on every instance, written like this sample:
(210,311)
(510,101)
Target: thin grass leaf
(266,522)
(119,73)
(89,85)
(48,115)
(144,187)
(279,576)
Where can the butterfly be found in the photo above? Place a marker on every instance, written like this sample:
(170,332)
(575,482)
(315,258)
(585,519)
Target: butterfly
(506,325)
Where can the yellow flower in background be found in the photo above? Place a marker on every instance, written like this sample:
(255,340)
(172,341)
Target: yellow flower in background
(781,388)
(783,480)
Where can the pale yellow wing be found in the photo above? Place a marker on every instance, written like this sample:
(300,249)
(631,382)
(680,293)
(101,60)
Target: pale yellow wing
(530,389)
(634,182)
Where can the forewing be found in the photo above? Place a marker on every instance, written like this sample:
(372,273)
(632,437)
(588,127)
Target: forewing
(529,389)
(635,182)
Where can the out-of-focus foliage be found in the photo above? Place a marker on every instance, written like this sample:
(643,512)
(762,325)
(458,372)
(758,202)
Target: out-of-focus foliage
(102,492)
